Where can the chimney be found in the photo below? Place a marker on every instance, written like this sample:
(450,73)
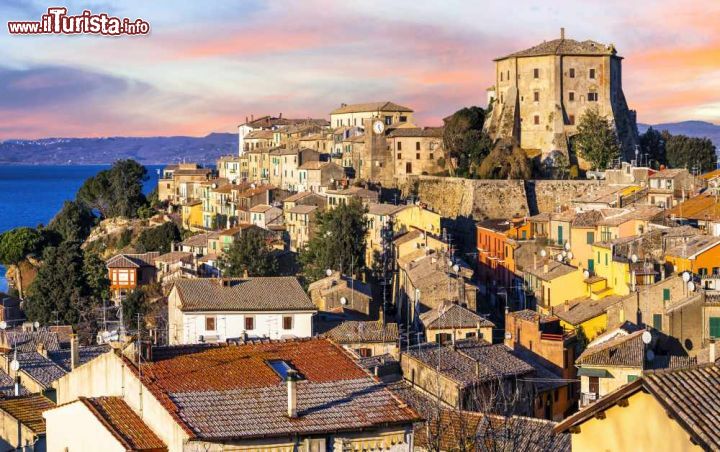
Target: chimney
(477,330)
(546,268)
(292,393)
(712,352)
(562,33)
(17,386)
(246,120)
(535,261)
(74,351)
(42,350)
(252,117)
(280,116)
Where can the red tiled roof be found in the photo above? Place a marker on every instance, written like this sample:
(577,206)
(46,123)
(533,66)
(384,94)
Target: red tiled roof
(124,424)
(28,410)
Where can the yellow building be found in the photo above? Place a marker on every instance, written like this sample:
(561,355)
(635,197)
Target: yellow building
(673,410)
(415,217)
(554,283)
(611,276)
(587,314)
(699,255)
(192,215)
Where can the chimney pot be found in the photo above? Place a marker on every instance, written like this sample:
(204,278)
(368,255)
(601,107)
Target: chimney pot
(562,33)
(292,393)
(712,352)
(74,351)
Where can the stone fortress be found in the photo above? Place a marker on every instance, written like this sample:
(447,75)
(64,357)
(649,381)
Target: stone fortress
(542,92)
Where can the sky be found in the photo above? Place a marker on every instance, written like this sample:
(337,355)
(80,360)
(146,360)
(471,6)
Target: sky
(206,65)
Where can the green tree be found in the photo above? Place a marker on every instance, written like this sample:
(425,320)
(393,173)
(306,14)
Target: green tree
(339,242)
(506,162)
(15,245)
(465,141)
(116,192)
(95,274)
(652,143)
(136,302)
(689,152)
(74,222)
(151,206)
(59,290)
(159,238)
(250,253)
(596,140)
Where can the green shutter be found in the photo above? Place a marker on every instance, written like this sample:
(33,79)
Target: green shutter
(715,327)
(666,294)
(657,321)
(590,238)
(632,378)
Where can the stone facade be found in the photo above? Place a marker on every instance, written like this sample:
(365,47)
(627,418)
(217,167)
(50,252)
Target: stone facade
(542,92)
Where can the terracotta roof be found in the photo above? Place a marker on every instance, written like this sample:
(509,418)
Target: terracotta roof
(370,107)
(297,196)
(260,208)
(420,132)
(582,309)
(28,410)
(668,173)
(690,396)
(212,391)
(407,237)
(532,316)
(124,424)
(358,331)
(711,174)
(376,208)
(564,47)
(555,269)
(259,135)
(280,293)
(303,209)
(174,256)
(196,240)
(624,350)
(586,219)
(702,207)
(453,316)
(692,247)
(471,361)
(132,260)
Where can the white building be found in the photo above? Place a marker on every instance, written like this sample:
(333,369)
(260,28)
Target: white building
(214,310)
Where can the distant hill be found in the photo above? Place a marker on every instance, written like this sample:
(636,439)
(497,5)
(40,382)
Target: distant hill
(700,129)
(146,150)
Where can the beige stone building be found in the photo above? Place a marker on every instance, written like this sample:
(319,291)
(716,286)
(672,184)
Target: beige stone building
(341,294)
(300,222)
(371,338)
(355,114)
(542,92)
(179,183)
(417,150)
(317,176)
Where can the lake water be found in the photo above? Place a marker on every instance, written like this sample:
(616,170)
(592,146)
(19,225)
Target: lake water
(32,195)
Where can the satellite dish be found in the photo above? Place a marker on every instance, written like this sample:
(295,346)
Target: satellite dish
(252,185)
(570,255)
(634,258)
(508,335)
(691,286)
(343,301)
(456,268)
(564,253)
(14,365)
(586,274)
(650,355)
(329,272)
(36,324)
(543,253)
(567,246)
(646,337)
(3,325)
(559,257)
(686,276)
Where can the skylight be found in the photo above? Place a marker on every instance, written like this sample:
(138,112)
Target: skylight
(281,367)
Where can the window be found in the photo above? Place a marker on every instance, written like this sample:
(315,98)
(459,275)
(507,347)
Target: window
(592,73)
(571,72)
(666,294)
(417,145)
(536,119)
(399,146)
(631,378)
(590,238)
(536,73)
(399,156)
(571,120)
(594,385)
(536,96)
(417,156)
(501,76)
(249,322)
(657,321)
(431,156)
(364,352)
(469,335)
(443,338)
(287,322)
(282,368)
(571,96)
(715,327)
(403,118)
(388,120)
(592,97)
(209,323)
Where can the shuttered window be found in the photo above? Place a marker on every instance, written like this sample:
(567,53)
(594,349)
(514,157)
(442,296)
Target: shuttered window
(666,294)
(715,327)
(657,321)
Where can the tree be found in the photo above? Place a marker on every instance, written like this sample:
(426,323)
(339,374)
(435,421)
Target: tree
(136,302)
(652,143)
(74,222)
(465,141)
(95,274)
(159,238)
(689,152)
(339,242)
(15,245)
(596,140)
(151,205)
(250,253)
(59,290)
(116,192)
(505,162)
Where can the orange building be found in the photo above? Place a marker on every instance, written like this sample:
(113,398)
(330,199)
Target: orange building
(496,252)
(128,271)
(699,255)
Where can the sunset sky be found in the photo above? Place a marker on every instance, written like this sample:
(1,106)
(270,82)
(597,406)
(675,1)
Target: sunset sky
(208,64)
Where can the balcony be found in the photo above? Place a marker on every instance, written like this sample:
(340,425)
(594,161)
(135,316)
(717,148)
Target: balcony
(587,398)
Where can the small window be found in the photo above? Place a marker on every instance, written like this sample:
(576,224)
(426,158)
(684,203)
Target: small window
(501,76)
(666,294)
(287,322)
(592,97)
(417,145)
(631,378)
(714,327)
(536,119)
(592,73)
(431,156)
(249,322)
(590,238)
(388,120)
(210,323)
(657,321)
(365,352)
(399,146)
(399,156)
(417,156)
(536,73)
(571,120)
(571,96)
(536,96)
(571,72)
(403,118)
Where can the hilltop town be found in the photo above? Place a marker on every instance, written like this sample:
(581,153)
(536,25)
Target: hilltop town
(363,282)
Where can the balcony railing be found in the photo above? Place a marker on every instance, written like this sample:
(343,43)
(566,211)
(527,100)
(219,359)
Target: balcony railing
(586,398)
